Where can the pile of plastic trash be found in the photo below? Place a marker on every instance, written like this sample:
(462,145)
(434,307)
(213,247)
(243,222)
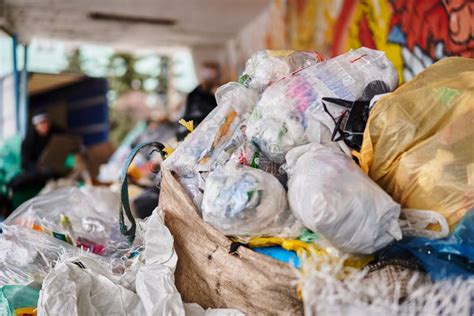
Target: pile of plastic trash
(61,253)
(325,164)
(331,149)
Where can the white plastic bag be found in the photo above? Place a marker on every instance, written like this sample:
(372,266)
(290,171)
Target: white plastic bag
(267,66)
(330,195)
(417,222)
(245,202)
(282,116)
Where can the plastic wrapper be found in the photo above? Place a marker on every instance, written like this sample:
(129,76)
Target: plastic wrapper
(418,143)
(290,112)
(267,66)
(245,202)
(86,218)
(330,195)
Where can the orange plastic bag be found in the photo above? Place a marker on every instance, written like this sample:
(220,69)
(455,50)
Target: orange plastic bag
(419,141)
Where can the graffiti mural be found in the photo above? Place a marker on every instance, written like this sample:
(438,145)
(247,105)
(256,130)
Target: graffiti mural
(413,33)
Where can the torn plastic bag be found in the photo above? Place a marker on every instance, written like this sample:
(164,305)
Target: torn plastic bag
(267,66)
(86,218)
(282,117)
(246,202)
(330,195)
(83,286)
(18,300)
(418,143)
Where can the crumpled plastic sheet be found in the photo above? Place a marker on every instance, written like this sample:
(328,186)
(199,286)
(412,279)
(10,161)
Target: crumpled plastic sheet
(83,286)
(290,112)
(331,195)
(27,256)
(244,201)
(86,218)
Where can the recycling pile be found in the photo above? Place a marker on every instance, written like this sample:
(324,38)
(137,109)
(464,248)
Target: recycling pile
(264,162)
(325,164)
(335,150)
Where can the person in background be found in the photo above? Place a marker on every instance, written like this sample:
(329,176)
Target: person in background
(32,147)
(201,101)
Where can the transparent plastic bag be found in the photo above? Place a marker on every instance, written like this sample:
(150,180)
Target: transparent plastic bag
(330,195)
(27,256)
(282,117)
(245,202)
(418,143)
(267,66)
(200,150)
(86,218)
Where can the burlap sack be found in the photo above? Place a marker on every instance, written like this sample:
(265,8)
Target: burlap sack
(209,275)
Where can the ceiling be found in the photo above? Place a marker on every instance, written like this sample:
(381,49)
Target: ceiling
(135,22)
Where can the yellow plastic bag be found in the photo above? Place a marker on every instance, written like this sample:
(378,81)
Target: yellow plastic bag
(419,141)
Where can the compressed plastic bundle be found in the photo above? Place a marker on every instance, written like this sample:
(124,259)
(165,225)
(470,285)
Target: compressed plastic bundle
(245,202)
(85,218)
(330,195)
(418,143)
(290,112)
(267,66)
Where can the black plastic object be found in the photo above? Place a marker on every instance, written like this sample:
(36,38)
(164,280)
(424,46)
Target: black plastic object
(351,124)
(125,203)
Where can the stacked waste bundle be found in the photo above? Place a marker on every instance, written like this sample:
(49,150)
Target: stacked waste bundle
(326,161)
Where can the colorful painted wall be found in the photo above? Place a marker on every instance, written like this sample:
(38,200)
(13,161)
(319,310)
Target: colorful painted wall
(413,33)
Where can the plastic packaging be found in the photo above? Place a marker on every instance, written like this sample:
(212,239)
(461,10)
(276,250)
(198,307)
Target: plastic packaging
(282,117)
(245,202)
(330,195)
(267,66)
(418,143)
(86,218)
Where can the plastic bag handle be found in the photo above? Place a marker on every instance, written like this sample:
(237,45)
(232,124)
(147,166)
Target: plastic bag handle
(124,200)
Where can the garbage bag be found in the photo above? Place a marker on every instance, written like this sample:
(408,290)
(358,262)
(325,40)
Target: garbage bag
(330,195)
(418,143)
(84,286)
(267,66)
(18,300)
(245,202)
(86,218)
(284,115)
